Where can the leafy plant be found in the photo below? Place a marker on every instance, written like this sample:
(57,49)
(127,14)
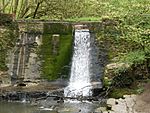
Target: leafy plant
(134,57)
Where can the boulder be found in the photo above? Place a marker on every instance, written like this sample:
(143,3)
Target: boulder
(111,112)
(111,101)
(116,65)
(100,110)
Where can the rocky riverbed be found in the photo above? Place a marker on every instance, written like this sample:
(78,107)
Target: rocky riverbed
(31,91)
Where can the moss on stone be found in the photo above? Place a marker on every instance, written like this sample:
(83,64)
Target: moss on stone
(53,65)
(8,36)
(57,28)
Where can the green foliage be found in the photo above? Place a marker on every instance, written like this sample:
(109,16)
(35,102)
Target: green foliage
(107,82)
(119,92)
(137,88)
(53,65)
(125,25)
(50,9)
(84,19)
(140,90)
(134,57)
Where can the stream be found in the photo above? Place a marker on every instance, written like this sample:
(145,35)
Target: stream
(66,107)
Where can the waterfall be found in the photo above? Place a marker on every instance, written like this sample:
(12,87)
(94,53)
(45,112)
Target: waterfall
(79,84)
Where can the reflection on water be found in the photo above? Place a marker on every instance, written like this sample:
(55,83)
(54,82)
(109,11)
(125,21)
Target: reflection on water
(6,107)
(67,107)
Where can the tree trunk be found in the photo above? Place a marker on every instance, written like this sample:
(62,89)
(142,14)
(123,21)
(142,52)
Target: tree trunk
(36,9)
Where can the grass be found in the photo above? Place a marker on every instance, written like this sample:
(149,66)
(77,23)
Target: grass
(94,19)
(119,92)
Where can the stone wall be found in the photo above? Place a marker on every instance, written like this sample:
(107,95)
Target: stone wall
(55,54)
(8,35)
(30,26)
(55,27)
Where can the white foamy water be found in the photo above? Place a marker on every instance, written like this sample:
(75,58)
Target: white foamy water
(79,84)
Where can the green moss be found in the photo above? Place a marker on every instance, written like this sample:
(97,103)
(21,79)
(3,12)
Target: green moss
(3,66)
(53,65)
(8,36)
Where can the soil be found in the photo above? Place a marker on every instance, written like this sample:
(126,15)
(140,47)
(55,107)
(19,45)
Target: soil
(143,100)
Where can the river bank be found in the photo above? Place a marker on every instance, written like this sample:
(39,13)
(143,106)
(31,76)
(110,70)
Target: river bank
(135,103)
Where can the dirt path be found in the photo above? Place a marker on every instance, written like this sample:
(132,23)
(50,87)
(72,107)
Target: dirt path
(143,101)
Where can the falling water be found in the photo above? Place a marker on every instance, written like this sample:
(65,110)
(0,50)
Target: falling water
(79,84)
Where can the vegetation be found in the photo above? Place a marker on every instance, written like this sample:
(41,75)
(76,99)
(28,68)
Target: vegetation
(125,30)
(8,35)
(56,65)
(49,9)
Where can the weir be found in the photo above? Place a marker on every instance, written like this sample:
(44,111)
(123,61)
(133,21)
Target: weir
(84,68)
(23,58)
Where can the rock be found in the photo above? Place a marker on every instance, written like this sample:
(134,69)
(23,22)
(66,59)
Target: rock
(109,107)
(80,27)
(110,112)
(120,108)
(96,85)
(120,100)
(19,95)
(111,101)
(96,91)
(68,110)
(116,65)
(129,102)
(100,109)
(126,96)
(105,112)
(133,96)
(120,105)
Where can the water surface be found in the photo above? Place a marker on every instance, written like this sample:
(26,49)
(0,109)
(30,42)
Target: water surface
(67,107)
(14,107)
